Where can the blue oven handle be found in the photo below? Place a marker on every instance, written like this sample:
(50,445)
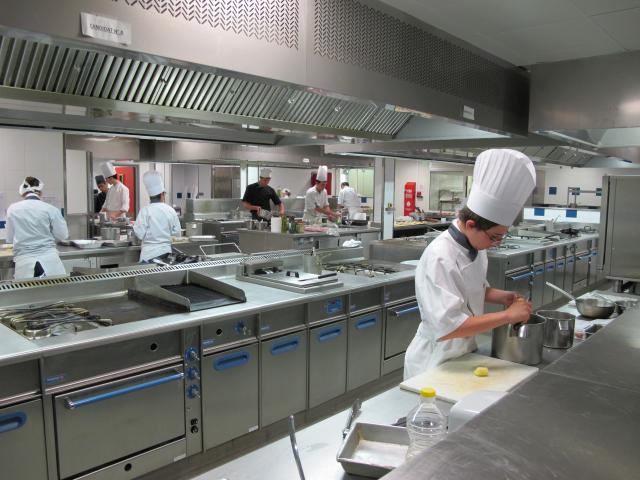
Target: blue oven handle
(405,311)
(231,361)
(12,421)
(521,276)
(285,347)
(72,404)
(330,334)
(366,323)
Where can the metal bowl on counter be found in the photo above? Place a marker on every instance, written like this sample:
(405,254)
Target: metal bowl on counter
(558,329)
(521,342)
(623,305)
(86,243)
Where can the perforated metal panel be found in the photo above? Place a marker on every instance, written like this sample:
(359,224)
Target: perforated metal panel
(75,69)
(274,21)
(350,32)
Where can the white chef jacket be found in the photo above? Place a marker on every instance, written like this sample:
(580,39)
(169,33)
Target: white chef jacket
(155,225)
(33,227)
(314,199)
(349,199)
(117,198)
(450,287)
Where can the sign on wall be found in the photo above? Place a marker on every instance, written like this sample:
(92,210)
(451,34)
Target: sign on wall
(105,28)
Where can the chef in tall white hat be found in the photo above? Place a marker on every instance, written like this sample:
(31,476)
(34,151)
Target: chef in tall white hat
(33,227)
(117,202)
(157,222)
(451,284)
(259,196)
(316,203)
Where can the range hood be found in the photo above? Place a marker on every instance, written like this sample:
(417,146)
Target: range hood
(539,148)
(593,103)
(100,88)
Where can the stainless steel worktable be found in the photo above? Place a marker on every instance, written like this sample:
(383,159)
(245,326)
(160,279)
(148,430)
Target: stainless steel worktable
(578,418)
(14,348)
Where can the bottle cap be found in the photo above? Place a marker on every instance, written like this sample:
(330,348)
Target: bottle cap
(427,392)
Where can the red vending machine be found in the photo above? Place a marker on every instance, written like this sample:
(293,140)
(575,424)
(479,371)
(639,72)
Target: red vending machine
(409,197)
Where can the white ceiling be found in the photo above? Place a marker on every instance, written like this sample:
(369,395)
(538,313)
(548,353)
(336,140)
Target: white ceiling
(524,32)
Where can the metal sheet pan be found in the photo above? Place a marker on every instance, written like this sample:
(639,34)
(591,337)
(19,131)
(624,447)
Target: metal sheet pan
(372,450)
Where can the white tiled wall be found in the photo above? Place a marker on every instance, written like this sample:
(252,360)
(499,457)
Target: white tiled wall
(35,153)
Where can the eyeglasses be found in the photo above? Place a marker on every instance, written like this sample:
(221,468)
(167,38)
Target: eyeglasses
(495,239)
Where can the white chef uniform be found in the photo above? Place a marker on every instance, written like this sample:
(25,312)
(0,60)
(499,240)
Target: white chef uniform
(157,222)
(349,199)
(118,194)
(33,227)
(314,199)
(449,288)
(451,275)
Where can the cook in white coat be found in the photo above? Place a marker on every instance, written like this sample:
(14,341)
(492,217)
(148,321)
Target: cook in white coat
(157,222)
(117,202)
(316,203)
(451,285)
(33,227)
(349,199)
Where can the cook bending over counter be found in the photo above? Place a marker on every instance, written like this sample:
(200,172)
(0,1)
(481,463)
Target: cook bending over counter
(316,203)
(451,284)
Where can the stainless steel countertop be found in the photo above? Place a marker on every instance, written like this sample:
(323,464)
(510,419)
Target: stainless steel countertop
(534,248)
(14,348)
(69,252)
(343,231)
(578,418)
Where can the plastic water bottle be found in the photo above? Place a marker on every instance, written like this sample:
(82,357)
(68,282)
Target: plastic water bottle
(425,423)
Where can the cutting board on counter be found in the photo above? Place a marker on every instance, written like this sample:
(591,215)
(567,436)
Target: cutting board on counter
(454,379)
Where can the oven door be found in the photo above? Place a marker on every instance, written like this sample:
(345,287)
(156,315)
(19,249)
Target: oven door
(100,424)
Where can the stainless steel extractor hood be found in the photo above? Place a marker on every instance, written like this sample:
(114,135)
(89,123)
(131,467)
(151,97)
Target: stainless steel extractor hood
(539,148)
(593,103)
(100,88)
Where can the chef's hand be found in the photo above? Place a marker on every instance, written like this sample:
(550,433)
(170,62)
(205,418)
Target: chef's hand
(519,311)
(510,297)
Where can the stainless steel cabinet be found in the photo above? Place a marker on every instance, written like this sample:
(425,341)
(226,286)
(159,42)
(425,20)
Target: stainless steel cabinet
(22,441)
(549,276)
(283,376)
(569,265)
(229,394)
(558,277)
(401,324)
(519,281)
(327,362)
(100,424)
(364,349)
(581,270)
(537,285)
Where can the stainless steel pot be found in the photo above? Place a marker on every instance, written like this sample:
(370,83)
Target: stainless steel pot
(520,343)
(110,233)
(558,328)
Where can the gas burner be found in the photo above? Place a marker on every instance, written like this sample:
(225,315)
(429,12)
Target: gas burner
(506,247)
(50,320)
(366,269)
(266,270)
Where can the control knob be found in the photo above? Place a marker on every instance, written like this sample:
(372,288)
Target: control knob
(193,391)
(191,355)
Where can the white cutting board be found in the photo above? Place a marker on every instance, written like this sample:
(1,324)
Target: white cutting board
(454,379)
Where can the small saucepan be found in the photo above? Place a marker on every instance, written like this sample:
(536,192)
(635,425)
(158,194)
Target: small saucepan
(589,307)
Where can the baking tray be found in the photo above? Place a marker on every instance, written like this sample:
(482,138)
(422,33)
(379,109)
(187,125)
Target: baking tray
(373,450)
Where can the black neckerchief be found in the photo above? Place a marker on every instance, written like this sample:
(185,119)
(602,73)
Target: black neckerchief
(462,240)
(32,196)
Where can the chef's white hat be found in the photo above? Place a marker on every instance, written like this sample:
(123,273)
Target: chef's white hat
(321,176)
(153,182)
(503,179)
(265,172)
(108,170)
(26,188)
